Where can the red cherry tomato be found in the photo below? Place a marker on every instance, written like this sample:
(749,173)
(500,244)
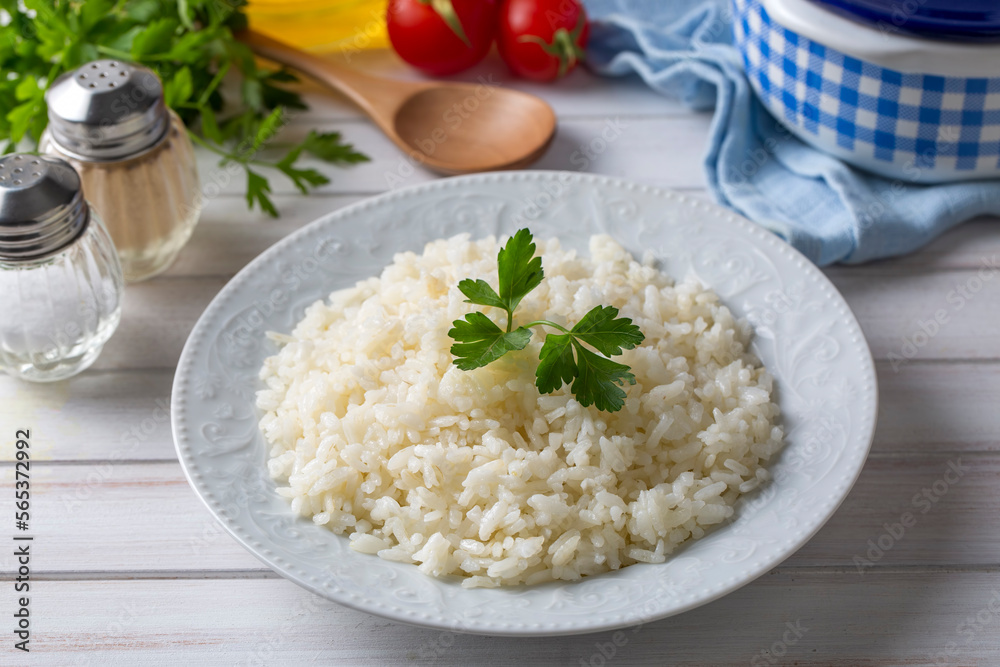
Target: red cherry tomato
(542,39)
(441,36)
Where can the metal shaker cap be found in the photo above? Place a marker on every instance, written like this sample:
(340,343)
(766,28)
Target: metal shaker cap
(107,110)
(42,209)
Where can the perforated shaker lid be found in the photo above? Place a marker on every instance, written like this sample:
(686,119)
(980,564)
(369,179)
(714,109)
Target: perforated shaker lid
(107,110)
(42,209)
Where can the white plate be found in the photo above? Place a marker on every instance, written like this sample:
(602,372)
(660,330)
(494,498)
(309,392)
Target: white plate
(806,336)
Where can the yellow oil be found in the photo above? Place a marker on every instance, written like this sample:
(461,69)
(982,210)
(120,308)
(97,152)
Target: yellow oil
(322,25)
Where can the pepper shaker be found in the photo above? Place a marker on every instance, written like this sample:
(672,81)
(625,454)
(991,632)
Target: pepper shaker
(60,278)
(135,158)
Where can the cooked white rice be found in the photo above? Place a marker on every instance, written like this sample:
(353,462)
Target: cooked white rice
(375,433)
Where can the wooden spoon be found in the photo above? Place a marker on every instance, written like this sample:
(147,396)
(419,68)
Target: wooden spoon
(452,128)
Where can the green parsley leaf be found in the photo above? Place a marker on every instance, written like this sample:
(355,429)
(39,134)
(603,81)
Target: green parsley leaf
(329,147)
(178,90)
(185,14)
(273,96)
(303,179)
(267,129)
(119,39)
(142,11)
(257,190)
(556,365)
(27,89)
(480,293)
(481,341)
(253,94)
(188,44)
(94,11)
(156,38)
(209,126)
(20,118)
(520,271)
(602,329)
(599,380)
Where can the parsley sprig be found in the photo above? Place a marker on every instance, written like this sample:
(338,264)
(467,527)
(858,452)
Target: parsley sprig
(565,357)
(191,45)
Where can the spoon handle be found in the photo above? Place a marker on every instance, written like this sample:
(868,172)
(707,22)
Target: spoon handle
(377,97)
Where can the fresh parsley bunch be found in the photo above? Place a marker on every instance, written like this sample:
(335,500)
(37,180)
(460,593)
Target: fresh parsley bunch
(190,44)
(565,357)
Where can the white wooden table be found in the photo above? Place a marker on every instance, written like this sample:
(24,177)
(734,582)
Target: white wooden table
(129,568)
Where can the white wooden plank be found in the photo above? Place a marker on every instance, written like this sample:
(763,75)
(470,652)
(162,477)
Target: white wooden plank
(937,315)
(840,619)
(95,416)
(938,407)
(159,524)
(228,236)
(121,518)
(157,318)
(657,150)
(603,96)
(915,510)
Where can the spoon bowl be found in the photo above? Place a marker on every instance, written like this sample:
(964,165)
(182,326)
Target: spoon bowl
(458,128)
(451,128)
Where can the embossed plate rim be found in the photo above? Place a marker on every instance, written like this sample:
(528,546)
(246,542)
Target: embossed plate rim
(830,414)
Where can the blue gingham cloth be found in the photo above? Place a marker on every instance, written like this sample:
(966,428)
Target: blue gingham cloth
(829,211)
(917,126)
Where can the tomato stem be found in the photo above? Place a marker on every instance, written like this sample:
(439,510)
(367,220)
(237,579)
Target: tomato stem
(564,46)
(446,11)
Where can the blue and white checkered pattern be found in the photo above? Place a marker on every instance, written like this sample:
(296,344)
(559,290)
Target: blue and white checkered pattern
(913,126)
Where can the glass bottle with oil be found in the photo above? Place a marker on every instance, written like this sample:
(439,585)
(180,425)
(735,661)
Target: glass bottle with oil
(322,25)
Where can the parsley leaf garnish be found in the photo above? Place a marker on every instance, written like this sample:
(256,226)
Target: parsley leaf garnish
(520,271)
(480,341)
(599,379)
(602,329)
(556,365)
(565,357)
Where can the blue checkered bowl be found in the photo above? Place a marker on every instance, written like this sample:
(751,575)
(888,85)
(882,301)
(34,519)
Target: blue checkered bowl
(899,106)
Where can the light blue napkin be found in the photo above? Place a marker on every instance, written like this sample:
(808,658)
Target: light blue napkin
(829,211)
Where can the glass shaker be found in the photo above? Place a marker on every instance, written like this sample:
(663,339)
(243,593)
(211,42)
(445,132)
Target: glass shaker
(60,279)
(135,158)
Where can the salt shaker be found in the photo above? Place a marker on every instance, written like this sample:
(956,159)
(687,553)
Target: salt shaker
(60,278)
(109,121)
